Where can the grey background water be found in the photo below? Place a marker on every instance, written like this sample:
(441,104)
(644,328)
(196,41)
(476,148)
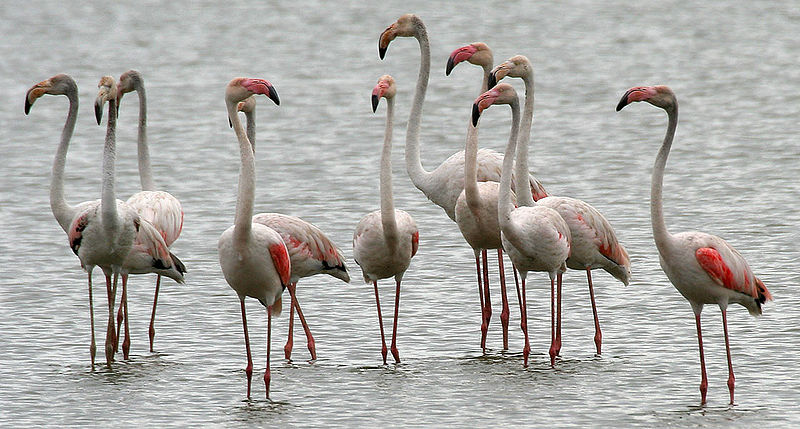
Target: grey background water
(733,172)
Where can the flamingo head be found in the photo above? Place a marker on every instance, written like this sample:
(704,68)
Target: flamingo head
(406,26)
(107,91)
(477,53)
(516,66)
(129,81)
(59,84)
(501,94)
(659,96)
(384,88)
(242,87)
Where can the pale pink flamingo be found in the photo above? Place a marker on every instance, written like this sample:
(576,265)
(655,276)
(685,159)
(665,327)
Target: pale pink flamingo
(444,184)
(594,242)
(535,237)
(703,267)
(160,208)
(479,54)
(311,251)
(253,257)
(385,240)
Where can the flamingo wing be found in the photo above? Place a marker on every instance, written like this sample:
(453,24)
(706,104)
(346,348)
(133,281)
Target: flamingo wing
(490,165)
(280,258)
(731,272)
(149,240)
(162,210)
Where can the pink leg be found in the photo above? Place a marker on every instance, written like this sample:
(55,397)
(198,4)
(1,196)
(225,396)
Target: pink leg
(120,316)
(396,353)
(384,350)
(93,345)
(524,324)
(731,378)
(704,381)
(598,335)
(110,331)
(487,299)
(267,373)
(249,369)
(287,349)
(484,326)
(519,296)
(552,322)
(504,314)
(126,343)
(152,331)
(558,314)
(311,344)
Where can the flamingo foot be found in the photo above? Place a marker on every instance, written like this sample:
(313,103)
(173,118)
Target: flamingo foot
(526,351)
(312,348)
(152,334)
(249,371)
(504,318)
(598,341)
(731,383)
(287,349)
(92,351)
(553,354)
(395,353)
(703,391)
(267,378)
(384,352)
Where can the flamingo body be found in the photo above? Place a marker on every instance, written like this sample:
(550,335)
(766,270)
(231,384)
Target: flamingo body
(376,257)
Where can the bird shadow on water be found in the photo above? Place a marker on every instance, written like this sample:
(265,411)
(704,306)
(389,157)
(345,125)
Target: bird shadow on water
(121,371)
(703,414)
(254,410)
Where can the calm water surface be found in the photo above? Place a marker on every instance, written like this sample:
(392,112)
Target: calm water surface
(733,172)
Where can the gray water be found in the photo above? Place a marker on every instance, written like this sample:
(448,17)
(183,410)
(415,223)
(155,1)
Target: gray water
(733,172)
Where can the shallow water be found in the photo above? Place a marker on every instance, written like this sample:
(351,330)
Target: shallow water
(733,172)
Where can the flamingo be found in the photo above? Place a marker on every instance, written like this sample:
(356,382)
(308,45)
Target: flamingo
(311,251)
(444,184)
(385,240)
(535,237)
(479,54)
(594,242)
(160,208)
(703,267)
(253,257)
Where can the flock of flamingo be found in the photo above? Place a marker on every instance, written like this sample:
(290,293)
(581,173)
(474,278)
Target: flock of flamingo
(492,198)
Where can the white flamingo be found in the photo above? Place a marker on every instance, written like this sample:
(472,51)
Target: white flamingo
(703,267)
(385,240)
(444,184)
(311,251)
(535,237)
(480,54)
(594,242)
(253,257)
(160,208)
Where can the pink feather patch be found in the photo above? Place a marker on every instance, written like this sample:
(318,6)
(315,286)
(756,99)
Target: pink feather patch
(280,258)
(711,261)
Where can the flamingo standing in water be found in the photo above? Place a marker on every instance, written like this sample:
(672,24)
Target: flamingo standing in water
(160,208)
(535,237)
(479,54)
(253,257)
(444,184)
(594,242)
(311,251)
(703,267)
(385,240)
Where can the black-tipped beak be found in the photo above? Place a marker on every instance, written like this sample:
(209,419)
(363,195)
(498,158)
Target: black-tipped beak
(623,101)
(476,114)
(492,80)
(381,52)
(273,95)
(450,65)
(98,112)
(28,105)
(375,100)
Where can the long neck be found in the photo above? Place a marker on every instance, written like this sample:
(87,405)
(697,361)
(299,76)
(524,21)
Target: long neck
(388,220)
(522,184)
(660,233)
(414,166)
(62,211)
(247,180)
(145,170)
(504,203)
(251,127)
(471,168)
(108,200)
(487,70)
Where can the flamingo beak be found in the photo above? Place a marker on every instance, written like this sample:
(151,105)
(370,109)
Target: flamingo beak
(624,100)
(98,110)
(273,95)
(375,99)
(450,64)
(476,114)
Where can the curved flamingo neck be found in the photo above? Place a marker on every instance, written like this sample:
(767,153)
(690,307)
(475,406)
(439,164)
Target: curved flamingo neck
(660,233)
(471,168)
(145,170)
(388,219)
(522,180)
(62,211)
(419,176)
(487,70)
(504,203)
(243,220)
(108,200)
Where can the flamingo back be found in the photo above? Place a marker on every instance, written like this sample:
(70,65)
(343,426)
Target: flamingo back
(162,210)
(732,271)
